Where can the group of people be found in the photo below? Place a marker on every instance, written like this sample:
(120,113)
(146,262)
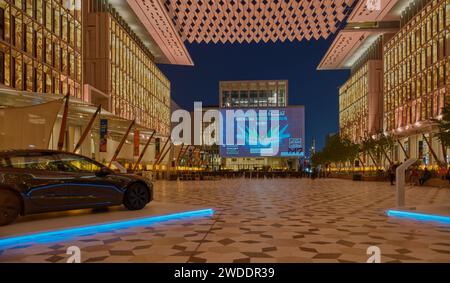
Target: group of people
(417,176)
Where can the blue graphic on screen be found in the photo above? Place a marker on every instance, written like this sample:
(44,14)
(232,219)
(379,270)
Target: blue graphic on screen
(290,134)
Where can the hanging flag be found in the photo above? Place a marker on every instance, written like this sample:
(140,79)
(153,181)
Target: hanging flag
(103,135)
(157,146)
(136,142)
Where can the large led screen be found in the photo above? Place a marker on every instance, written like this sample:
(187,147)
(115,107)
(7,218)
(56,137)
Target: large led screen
(277,132)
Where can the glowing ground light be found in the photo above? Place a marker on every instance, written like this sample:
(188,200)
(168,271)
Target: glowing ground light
(70,233)
(419,216)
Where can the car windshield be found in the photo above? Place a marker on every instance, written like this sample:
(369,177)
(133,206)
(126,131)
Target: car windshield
(79,163)
(34,162)
(50,162)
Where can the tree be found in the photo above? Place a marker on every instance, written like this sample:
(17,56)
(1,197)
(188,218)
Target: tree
(317,159)
(337,150)
(351,150)
(385,144)
(369,146)
(444,126)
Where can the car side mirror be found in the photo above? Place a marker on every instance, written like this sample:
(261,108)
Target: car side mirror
(104,171)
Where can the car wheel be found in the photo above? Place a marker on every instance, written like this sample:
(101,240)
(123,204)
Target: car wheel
(9,207)
(136,197)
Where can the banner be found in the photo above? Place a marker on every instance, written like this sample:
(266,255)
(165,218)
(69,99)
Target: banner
(157,146)
(28,127)
(136,143)
(103,135)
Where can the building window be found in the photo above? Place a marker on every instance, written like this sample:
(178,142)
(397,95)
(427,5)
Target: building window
(2,67)
(24,37)
(24,76)
(35,44)
(13,30)
(13,72)
(35,80)
(2,24)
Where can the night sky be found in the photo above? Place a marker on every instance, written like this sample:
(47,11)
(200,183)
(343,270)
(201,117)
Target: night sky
(296,62)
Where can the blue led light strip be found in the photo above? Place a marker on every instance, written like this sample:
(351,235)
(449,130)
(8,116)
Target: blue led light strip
(419,216)
(70,233)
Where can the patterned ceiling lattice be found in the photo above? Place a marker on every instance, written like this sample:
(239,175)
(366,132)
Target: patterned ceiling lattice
(256,20)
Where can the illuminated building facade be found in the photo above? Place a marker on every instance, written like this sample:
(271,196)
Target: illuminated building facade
(417,77)
(41,46)
(87,49)
(415,73)
(360,98)
(259,94)
(417,67)
(119,64)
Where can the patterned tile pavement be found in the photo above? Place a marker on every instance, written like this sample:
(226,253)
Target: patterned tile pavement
(276,220)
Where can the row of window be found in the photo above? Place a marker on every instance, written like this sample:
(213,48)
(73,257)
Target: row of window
(417,68)
(353,105)
(428,57)
(51,18)
(424,83)
(127,55)
(36,59)
(21,72)
(139,90)
(418,110)
(420,31)
(254,98)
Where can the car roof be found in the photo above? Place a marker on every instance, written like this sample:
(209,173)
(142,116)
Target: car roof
(25,152)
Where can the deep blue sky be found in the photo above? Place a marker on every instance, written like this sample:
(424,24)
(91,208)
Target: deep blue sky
(296,62)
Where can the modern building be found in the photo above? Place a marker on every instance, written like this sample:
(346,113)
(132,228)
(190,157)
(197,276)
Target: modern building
(98,52)
(263,94)
(125,71)
(360,98)
(399,62)
(253,94)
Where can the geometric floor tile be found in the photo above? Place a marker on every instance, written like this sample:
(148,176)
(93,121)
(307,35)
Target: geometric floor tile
(272,220)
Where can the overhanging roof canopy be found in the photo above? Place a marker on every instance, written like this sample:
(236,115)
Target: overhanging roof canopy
(364,26)
(352,42)
(170,23)
(80,112)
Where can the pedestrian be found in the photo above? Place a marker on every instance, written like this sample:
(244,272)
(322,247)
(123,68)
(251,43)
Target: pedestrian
(314,173)
(426,175)
(443,172)
(447,176)
(414,178)
(392,169)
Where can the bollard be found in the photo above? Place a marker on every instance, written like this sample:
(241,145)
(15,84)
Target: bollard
(400,181)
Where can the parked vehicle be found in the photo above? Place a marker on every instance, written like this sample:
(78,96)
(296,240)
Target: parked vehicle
(36,181)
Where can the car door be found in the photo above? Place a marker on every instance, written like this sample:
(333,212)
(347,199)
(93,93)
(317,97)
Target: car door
(87,188)
(44,184)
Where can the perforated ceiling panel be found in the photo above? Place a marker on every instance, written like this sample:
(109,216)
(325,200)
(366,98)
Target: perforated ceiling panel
(256,20)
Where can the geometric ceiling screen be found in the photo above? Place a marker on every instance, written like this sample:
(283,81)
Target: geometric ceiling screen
(256,20)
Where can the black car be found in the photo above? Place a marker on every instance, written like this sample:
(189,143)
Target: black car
(36,181)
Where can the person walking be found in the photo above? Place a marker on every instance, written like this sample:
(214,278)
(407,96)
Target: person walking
(392,169)
(414,178)
(447,175)
(426,175)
